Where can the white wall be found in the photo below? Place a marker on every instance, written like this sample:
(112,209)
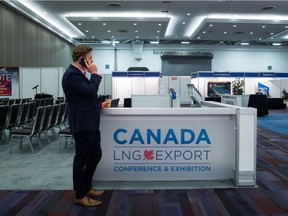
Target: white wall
(224,59)
(249,61)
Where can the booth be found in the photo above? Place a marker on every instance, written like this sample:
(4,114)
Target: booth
(214,142)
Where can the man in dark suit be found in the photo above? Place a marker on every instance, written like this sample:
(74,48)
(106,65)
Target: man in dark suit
(84,120)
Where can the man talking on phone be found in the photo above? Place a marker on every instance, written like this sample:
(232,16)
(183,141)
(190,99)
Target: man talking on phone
(84,120)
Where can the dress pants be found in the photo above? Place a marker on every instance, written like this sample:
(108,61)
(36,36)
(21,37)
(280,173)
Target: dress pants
(87,156)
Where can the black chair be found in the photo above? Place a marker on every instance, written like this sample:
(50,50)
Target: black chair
(61,116)
(65,135)
(19,134)
(11,102)
(13,117)
(54,119)
(115,102)
(32,109)
(3,119)
(127,102)
(46,121)
(23,116)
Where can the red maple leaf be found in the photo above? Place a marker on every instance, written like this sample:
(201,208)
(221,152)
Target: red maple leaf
(148,154)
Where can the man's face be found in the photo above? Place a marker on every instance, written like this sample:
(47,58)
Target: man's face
(88,57)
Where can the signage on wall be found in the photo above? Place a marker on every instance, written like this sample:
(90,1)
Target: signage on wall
(153,148)
(5,84)
(8,76)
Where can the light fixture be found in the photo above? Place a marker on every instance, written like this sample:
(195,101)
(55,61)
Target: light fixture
(188,14)
(251,33)
(204,32)
(211,25)
(183,23)
(109,31)
(234,26)
(135,24)
(159,24)
(198,37)
(137,36)
(271,33)
(176,36)
(93,36)
(225,32)
(112,36)
(87,30)
(157,37)
(185,42)
(263,26)
(158,31)
(276,44)
(79,23)
(154,42)
(104,24)
(106,42)
(260,38)
(286,26)
(244,43)
(136,31)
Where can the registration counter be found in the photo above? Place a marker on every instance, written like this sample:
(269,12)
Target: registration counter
(213,142)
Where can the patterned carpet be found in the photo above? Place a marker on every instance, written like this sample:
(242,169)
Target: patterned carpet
(270,198)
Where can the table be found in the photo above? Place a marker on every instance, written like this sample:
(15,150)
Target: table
(276,103)
(260,102)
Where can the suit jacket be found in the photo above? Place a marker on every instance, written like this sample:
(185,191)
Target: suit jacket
(81,95)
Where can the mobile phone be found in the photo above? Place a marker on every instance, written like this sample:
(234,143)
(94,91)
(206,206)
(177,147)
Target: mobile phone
(82,62)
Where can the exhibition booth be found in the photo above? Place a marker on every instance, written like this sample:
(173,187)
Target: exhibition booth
(214,142)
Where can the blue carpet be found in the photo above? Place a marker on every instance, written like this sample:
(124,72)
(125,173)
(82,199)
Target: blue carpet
(276,122)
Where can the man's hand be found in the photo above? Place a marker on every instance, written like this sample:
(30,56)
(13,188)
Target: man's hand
(91,68)
(106,104)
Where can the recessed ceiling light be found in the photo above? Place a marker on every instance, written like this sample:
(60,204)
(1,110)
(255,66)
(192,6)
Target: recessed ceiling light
(268,8)
(154,42)
(286,26)
(137,36)
(108,30)
(271,33)
(135,24)
(79,23)
(136,31)
(225,32)
(263,26)
(183,23)
(185,42)
(188,14)
(244,43)
(159,24)
(260,38)
(176,36)
(251,33)
(112,36)
(158,31)
(276,44)
(198,37)
(93,36)
(87,30)
(204,32)
(157,37)
(210,25)
(103,23)
(114,5)
(234,26)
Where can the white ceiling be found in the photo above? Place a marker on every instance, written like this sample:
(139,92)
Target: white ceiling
(169,22)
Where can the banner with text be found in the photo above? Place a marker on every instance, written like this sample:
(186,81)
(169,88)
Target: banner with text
(171,148)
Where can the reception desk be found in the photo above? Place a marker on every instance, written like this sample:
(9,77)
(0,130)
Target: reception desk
(214,142)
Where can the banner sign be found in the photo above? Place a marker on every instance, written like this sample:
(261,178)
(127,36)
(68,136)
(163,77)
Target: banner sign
(5,84)
(153,148)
